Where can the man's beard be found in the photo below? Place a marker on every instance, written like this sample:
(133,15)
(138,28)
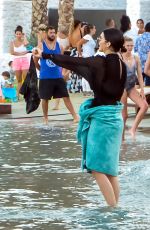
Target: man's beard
(51,39)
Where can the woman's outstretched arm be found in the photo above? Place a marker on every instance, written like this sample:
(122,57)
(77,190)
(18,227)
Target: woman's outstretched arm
(85,67)
(75,64)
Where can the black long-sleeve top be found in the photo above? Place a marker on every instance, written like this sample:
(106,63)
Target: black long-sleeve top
(106,75)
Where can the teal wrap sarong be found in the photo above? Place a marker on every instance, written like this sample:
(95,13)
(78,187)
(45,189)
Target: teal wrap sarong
(100,134)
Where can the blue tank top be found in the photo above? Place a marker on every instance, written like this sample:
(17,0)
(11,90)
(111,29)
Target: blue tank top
(48,70)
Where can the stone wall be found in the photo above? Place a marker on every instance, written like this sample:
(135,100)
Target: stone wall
(13,13)
(138,9)
(18,12)
(94,4)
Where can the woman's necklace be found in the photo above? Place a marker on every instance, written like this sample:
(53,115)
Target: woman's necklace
(128,59)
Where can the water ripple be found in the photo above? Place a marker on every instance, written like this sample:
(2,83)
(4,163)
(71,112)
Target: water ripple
(42,186)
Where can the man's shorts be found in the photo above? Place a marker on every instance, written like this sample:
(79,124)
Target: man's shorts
(21,63)
(55,88)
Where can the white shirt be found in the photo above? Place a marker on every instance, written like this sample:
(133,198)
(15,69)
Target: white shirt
(64,42)
(2,81)
(88,48)
(20,49)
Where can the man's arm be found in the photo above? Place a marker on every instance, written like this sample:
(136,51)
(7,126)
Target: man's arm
(36,59)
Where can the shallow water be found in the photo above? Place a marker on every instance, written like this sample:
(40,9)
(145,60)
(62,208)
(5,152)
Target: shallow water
(42,186)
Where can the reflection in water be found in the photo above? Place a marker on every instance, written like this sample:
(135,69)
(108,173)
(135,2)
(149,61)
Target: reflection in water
(42,186)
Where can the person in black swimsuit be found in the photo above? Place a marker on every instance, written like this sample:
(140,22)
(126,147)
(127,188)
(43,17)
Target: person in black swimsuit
(107,77)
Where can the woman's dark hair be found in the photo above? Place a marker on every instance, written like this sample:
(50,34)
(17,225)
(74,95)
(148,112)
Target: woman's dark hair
(10,62)
(87,28)
(147,27)
(141,20)
(19,28)
(84,24)
(76,23)
(115,37)
(125,23)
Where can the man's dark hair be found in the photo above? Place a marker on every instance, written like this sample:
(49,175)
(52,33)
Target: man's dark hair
(115,37)
(49,28)
(147,27)
(6,74)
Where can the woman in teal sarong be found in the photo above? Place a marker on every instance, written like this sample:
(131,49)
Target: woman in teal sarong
(100,127)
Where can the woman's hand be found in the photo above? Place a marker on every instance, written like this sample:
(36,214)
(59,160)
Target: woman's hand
(37,52)
(142,93)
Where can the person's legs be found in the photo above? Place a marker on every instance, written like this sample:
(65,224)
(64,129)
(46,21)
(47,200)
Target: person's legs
(84,86)
(106,188)
(60,91)
(70,107)
(88,89)
(24,67)
(45,110)
(57,102)
(115,184)
(124,111)
(142,104)
(18,74)
(24,74)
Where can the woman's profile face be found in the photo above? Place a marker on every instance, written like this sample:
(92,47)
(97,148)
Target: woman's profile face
(93,30)
(129,46)
(102,43)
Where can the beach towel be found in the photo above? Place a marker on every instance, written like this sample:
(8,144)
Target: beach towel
(100,134)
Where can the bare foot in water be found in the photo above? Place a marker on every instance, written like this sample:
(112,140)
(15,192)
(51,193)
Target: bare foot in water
(132,133)
(46,121)
(76,120)
(55,108)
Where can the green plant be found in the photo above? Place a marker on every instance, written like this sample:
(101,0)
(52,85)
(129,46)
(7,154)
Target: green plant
(32,40)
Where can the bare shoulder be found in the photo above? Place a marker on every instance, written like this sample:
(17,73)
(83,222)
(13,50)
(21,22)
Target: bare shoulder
(61,49)
(137,58)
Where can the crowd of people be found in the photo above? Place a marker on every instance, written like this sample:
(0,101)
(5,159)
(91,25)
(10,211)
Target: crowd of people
(80,42)
(108,75)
